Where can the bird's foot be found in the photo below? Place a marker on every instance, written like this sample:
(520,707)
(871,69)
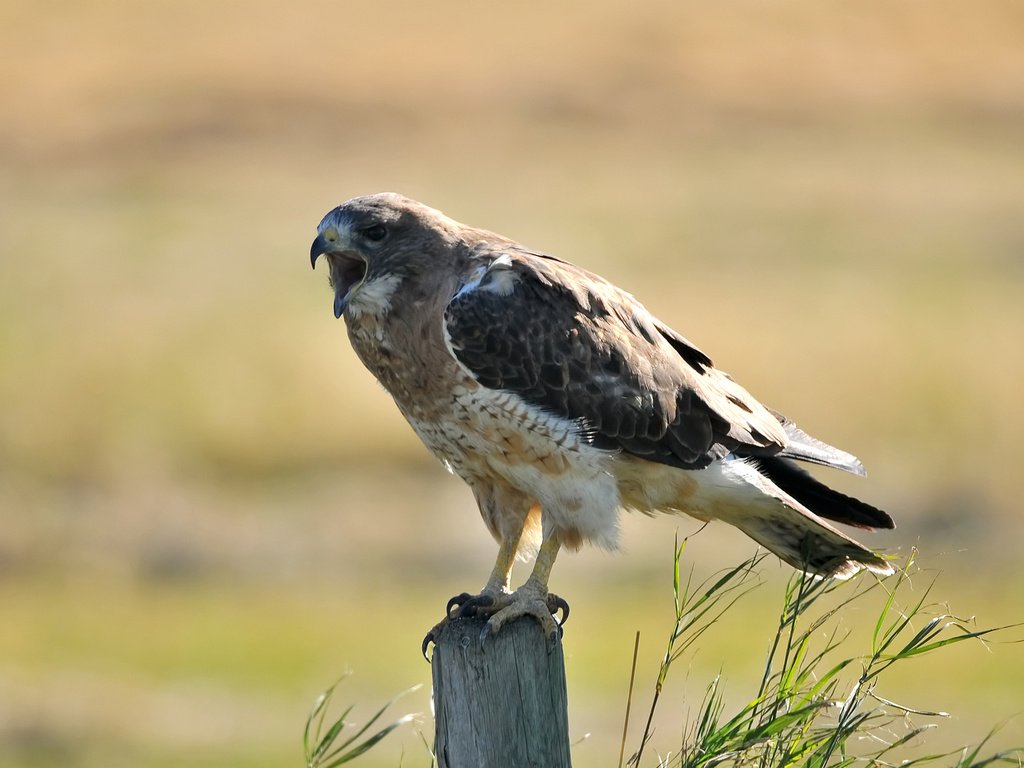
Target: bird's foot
(501,608)
(461,605)
(541,605)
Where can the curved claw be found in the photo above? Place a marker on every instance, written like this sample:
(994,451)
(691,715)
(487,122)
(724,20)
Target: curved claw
(556,604)
(427,640)
(457,601)
(485,632)
(470,606)
(550,611)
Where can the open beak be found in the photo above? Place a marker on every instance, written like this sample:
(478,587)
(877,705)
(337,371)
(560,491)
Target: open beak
(319,248)
(347,269)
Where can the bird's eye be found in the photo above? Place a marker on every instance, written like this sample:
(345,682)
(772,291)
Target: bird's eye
(374,233)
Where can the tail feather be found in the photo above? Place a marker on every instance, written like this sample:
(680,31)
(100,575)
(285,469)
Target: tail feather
(814,546)
(798,536)
(819,498)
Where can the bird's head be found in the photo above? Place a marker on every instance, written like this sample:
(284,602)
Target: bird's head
(372,243)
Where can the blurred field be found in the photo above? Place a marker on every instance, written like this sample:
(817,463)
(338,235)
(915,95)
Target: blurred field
(208,510)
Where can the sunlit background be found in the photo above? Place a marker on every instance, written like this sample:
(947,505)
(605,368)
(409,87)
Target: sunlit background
(209,510)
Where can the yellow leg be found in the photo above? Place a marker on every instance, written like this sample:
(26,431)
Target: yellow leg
(538,581)
(497,602)
(532,598)
(501,577)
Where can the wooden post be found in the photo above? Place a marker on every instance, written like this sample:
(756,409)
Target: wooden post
(500,703)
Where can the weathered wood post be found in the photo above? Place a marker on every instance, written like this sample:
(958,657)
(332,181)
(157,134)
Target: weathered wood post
(500,703)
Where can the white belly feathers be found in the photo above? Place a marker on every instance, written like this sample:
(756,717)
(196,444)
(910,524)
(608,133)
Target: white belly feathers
(490,433)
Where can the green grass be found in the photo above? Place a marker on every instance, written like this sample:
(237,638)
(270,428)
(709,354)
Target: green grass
(331,746)
(824,698)
(222,665)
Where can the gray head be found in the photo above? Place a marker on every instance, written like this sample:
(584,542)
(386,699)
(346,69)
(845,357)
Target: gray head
(379,236)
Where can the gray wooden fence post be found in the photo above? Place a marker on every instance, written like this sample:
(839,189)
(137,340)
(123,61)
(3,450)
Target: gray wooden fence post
(500,703)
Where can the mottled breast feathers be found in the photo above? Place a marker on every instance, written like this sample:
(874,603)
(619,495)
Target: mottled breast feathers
(568,341)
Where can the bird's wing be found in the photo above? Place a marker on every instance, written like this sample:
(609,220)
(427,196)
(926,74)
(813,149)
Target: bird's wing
(573,344)
(803,447)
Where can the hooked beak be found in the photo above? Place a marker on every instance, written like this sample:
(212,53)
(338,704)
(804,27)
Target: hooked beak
(319,248)
(347,269)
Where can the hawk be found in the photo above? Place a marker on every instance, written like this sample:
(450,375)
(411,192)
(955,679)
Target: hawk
(560,400)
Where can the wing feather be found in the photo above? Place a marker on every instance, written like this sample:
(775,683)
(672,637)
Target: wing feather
(568,341)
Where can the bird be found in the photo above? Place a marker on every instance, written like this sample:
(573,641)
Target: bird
(561,401)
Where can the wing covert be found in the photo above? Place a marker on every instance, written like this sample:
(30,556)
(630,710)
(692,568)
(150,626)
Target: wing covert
(569,342)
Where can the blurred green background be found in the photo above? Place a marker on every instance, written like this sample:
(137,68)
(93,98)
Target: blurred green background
(209,510)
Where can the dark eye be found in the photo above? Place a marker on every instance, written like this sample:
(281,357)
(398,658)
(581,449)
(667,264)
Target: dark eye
(374,233)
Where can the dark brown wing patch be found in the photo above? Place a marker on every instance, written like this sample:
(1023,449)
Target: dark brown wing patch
(693,356)
(571,343)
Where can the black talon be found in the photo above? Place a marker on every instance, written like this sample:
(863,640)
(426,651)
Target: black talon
(459,600)
(430,638)
(559,605)
(468,608)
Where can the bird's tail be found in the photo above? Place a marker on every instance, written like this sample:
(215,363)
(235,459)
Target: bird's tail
(814,495)
(802,538)
(813,545)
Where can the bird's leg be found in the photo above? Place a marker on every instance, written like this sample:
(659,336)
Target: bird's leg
(532,598)
(498,584)
(495,591)
(501,606)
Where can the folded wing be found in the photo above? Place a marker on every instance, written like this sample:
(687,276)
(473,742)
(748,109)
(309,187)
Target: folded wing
(570,342)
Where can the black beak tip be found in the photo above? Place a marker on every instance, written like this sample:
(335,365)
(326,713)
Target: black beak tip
(315,251)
